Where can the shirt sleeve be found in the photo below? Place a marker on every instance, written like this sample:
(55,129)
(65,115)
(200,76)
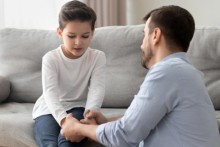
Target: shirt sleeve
(150,105)
(97,84)
(50,89)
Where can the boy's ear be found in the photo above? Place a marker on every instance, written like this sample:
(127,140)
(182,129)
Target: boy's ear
(59,33)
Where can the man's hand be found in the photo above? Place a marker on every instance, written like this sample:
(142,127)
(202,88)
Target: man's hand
(94,117)
(70,129)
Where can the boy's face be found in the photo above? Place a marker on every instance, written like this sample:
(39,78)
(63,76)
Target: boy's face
(76,37)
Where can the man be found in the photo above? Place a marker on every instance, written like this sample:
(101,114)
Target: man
(172,107)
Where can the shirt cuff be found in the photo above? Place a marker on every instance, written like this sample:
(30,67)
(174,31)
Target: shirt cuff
(100,131)
(88,109)
(62,116)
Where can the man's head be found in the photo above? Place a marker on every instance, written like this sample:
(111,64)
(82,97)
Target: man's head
(173,24)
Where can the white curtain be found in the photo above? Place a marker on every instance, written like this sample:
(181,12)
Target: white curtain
(43,14)
(109,12)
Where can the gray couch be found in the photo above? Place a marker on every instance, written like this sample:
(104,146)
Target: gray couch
(21,52)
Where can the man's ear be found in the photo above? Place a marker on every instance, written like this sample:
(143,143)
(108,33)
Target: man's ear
(59,33)
(156,35)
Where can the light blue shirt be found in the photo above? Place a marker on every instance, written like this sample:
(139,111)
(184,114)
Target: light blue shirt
(171,109)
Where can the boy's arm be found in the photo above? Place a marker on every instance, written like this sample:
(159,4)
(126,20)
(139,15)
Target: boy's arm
(50,92)
(97,84)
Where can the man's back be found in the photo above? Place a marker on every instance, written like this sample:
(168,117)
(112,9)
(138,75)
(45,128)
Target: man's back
(171,109)
(190,117)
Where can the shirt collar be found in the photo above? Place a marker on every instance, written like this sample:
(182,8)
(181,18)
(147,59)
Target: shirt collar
(181,55)
(175,55)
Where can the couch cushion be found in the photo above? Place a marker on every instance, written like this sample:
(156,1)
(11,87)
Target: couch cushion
(21,53)
(16,125)
(204,53)
(4,88)
(125,74)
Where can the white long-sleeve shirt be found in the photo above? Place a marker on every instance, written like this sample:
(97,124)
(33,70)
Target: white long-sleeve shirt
(69,83)
(171,109)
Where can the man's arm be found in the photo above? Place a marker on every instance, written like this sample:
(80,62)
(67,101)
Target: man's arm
(114,118)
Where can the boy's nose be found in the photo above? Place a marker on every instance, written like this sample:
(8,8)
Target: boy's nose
(77,41)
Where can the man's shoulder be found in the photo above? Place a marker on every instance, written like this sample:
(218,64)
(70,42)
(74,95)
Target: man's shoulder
(172,68)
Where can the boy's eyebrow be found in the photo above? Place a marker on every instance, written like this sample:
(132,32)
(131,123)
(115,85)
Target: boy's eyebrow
(83,33)
(87,33)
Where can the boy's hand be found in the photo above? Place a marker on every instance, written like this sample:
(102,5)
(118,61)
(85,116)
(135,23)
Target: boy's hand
(94,117)
(89,121)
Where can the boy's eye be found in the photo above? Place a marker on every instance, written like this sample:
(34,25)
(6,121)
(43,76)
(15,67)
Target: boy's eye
(85,36)
(75,37)
(71,36)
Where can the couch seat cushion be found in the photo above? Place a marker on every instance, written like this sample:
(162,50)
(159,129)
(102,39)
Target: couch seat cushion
(16,125)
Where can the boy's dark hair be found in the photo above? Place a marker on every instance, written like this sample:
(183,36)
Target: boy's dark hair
(176,23)
(76,10)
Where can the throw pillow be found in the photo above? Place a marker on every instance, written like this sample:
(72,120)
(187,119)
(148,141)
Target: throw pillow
(4,88)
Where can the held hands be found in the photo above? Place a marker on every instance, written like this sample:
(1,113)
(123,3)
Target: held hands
(70,127)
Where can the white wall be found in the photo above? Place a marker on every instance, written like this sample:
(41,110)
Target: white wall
(205,12)
(29,14)
(2,21)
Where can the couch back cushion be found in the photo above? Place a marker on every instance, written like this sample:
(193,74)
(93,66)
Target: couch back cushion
(204,53)
(21,53)
(125,73)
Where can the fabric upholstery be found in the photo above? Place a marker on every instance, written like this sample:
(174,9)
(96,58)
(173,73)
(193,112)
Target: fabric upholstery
(125,73)
(24,49)
(204,53)
(21,53)
(16,125)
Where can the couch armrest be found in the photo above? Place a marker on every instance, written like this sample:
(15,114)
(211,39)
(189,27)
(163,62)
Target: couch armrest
(4,88)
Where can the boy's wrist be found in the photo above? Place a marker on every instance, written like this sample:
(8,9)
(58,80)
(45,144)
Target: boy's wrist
(62,121)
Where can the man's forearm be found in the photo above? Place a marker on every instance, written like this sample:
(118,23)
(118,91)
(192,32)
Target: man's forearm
(87,131)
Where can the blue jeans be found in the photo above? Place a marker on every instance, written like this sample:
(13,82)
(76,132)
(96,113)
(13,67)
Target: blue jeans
(47,130)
